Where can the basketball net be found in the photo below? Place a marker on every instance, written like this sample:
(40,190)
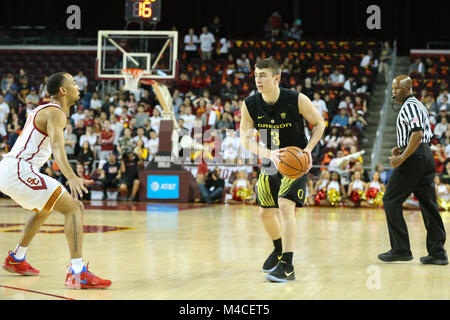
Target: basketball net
(132,77)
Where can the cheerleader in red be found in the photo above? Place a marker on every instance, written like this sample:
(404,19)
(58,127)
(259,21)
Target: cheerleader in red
(241,191)
(319,191)
(356,191)
(374,193)
(335,191)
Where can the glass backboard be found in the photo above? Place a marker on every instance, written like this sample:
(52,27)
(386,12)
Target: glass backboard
(155,52)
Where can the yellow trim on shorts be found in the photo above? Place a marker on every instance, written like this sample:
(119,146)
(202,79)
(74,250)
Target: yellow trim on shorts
(52,200)
(269,192)
(260,190)
(286,183)
(264,193)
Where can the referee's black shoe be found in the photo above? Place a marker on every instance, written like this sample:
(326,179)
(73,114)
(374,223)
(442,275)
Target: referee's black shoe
(394,255)
(439,259)
(271,261)
(282,273)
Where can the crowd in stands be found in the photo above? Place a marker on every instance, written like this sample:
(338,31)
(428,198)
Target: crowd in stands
(111,138)
(430,76)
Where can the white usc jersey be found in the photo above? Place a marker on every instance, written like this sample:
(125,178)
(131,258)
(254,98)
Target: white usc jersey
(20,169)
(33,145)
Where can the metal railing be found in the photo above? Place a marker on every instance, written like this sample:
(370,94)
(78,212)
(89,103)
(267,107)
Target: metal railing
(375,157)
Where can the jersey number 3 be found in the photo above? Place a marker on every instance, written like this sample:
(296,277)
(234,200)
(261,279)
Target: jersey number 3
(275,137)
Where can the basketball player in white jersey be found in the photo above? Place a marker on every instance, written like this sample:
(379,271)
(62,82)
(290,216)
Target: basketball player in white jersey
(42,136)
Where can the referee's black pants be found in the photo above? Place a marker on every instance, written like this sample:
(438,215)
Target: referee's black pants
(415,175)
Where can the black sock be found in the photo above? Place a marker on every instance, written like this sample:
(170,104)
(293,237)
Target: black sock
(278,246)
(287,257)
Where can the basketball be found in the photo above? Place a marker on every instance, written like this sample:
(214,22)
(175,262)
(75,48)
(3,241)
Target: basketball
(293,163)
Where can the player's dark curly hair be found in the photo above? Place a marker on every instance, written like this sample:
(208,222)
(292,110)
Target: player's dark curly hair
(55,81)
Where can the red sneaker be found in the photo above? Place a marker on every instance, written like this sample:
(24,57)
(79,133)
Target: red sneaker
(18,266)
(85,280)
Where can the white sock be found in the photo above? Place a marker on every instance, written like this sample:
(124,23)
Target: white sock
(77,265)
(20,252)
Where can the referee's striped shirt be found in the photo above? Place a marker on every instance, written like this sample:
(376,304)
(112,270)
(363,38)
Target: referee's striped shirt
(413,116)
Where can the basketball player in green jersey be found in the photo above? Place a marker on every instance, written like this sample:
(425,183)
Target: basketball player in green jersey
(278,114)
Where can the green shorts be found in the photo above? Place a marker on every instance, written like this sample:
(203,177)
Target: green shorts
(272,187)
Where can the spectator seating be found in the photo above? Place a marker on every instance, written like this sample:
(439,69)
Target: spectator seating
(436,76)
(40,63)
(301,60)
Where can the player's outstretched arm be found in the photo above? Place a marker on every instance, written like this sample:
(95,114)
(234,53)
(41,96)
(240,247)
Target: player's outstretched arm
(55,130)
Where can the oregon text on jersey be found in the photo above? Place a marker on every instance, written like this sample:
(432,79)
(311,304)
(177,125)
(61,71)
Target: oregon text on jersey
(274,126)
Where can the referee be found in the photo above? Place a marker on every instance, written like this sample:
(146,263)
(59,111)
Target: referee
(414,172)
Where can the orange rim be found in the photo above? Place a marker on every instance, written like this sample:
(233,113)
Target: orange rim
(134,71)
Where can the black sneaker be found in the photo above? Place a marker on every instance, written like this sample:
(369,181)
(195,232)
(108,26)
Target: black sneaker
(282,273)
(271,262)
(393,255)
(440,259)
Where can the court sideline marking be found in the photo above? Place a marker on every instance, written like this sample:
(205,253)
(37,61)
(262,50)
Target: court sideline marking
(37,292)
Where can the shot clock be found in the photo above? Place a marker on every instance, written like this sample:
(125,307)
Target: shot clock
(143,10)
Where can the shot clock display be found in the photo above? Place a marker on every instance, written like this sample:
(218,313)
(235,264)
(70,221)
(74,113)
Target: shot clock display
(142,10)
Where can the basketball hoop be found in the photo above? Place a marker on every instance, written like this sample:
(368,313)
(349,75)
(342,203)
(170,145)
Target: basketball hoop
(132,77)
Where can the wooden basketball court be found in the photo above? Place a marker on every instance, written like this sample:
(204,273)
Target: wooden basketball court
(178,252)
